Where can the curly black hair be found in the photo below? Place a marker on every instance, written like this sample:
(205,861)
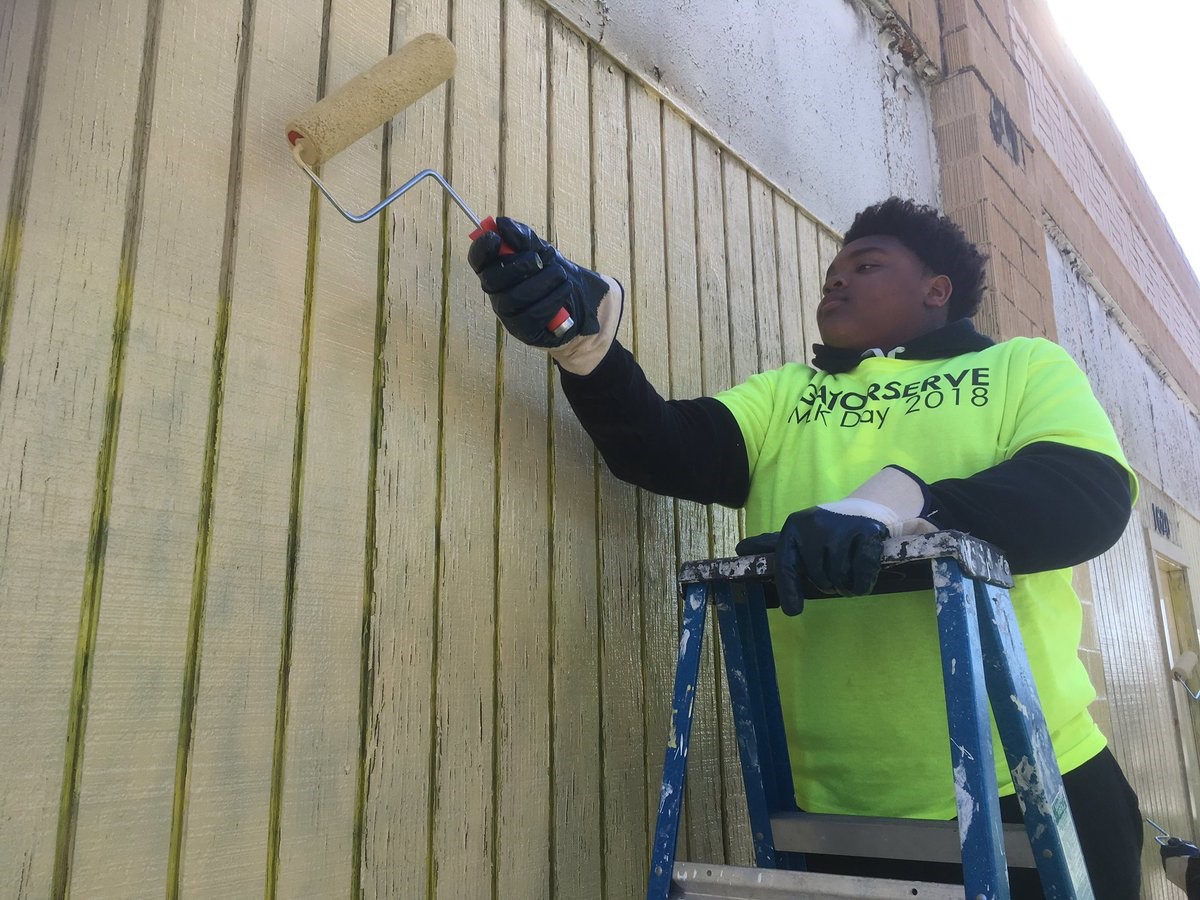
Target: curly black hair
(937,242)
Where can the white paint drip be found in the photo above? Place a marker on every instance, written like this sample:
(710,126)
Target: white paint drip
(664,795)
(1021,707)
(683,641)
(1026,781)
(695,601)
(963,799)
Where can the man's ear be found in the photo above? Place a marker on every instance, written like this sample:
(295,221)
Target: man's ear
(939,291)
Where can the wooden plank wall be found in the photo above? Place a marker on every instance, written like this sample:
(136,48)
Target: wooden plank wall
(310,583)
(1143,727)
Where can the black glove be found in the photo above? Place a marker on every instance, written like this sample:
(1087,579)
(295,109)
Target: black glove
(838,553)
(529,286)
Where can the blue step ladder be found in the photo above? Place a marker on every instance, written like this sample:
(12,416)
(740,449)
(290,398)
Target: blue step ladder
(982,657)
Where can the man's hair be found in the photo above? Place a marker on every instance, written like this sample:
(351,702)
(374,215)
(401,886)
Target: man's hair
(936,241)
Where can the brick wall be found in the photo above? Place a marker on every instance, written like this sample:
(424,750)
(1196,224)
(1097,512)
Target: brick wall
(1024,140)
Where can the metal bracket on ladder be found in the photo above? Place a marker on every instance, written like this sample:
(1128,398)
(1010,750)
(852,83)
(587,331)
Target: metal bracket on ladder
(982,657)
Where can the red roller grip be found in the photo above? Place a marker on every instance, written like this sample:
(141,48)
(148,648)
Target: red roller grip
(562,320)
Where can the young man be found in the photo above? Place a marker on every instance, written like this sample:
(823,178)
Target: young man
(908,420)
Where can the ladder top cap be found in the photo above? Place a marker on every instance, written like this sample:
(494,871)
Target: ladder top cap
(978,559)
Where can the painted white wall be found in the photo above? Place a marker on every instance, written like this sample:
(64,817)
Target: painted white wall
(808,92)
(1158,430)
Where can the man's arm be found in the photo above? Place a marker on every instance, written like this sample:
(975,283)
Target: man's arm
(1049,507)
(683,448)
(692,449)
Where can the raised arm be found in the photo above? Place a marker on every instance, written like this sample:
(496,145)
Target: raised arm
(690,449)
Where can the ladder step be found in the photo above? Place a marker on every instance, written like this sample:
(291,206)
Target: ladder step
(919,839)
(700,880)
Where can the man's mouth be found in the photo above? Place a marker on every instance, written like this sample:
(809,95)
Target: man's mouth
(831,300)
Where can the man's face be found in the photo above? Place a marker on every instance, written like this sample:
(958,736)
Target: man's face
(877,293)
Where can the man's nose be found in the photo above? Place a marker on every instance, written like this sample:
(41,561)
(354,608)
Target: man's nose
(833,283)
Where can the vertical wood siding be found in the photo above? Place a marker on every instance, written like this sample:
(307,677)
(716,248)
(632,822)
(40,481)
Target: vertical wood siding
(310,583)
(1143,727)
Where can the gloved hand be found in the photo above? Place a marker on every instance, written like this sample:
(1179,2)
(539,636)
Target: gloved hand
(529,286)
(1177,855)
(839,546)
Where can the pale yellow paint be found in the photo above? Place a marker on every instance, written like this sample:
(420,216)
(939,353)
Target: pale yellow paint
(463,825)
(626,826)
(320,749)
(764,255)
(812,276)
(400,790)
(18,25)
(52,410)
(741,269)
(523,708)
(650,324)
(695,193)
(791,298)
(228,804)
(576,750)
(127,785)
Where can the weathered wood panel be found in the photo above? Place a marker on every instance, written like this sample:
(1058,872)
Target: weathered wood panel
(64,313)
(656,514)
(318,735)
(399,762)
(225,832)
(24,36)
(626,832)
(463,824)
(763,255)
(576,750)
(812,277)
(523,708)
(792,300)
(683,318)
(126,842)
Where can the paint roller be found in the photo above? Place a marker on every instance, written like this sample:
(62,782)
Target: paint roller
(366,102)
(1184,668)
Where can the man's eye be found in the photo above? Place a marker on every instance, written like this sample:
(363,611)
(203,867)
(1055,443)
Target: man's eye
(862,267)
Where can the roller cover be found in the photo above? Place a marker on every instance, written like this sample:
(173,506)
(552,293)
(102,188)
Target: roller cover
(372,98)
(1185,664)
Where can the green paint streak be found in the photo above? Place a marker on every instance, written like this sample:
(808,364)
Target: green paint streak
(497,451)
(10,256)
(195,634)
(599,514)
(18,199)
(366,678)
(296,504)
(212,444)
(551,631)
(431,870)
(439,500)
(85,645)
(497,701)
(93,579)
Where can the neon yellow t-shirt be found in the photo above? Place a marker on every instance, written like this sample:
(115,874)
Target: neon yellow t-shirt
(860,678)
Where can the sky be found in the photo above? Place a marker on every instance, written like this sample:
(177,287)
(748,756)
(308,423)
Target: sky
(1145,67)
